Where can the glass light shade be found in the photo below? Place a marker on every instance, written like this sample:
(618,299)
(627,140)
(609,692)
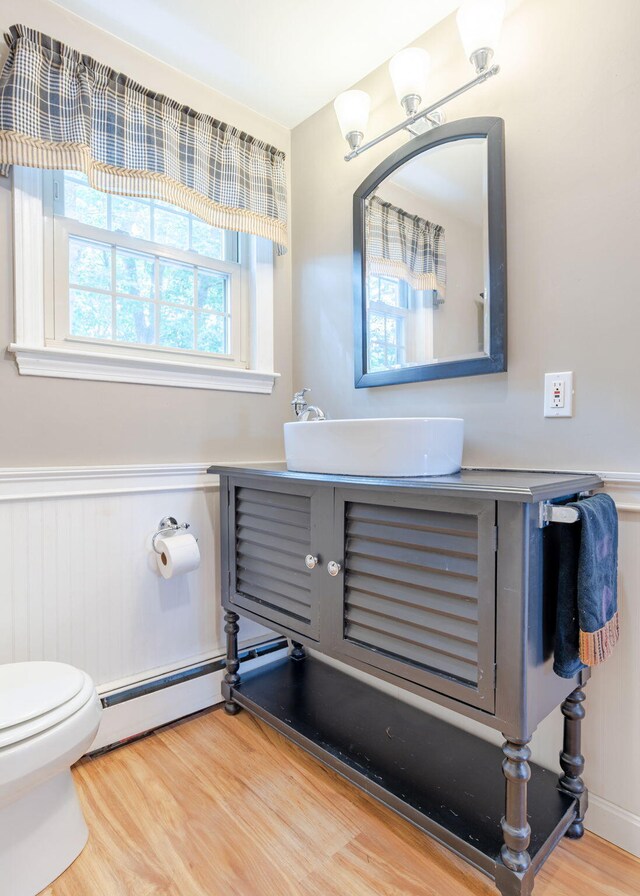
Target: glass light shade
(352,110)
(479,24)
(409,70)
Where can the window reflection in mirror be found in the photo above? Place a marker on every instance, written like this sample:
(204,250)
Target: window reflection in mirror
(426,259)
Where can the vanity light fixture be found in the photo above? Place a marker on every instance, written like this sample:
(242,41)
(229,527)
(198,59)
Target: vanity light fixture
(409,71)
(479,24)
(352,109)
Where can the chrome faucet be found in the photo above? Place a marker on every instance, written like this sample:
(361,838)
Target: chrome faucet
(306,412)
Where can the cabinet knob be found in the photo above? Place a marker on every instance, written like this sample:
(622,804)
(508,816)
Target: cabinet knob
(333,568)
(310,561)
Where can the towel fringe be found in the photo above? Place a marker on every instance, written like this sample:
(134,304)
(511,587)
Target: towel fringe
(596,647)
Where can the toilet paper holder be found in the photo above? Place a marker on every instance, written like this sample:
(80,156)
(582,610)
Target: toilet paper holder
(167,524)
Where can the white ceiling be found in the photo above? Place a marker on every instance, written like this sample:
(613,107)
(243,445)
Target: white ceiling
(283,58)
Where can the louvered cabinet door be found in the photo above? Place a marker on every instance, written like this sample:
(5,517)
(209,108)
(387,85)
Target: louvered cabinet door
(418,590)
(271,529)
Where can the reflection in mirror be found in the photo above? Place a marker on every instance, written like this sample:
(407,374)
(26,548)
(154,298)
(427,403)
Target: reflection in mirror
(426,259)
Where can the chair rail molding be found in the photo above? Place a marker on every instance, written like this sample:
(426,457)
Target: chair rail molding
(624,488)
(23,483)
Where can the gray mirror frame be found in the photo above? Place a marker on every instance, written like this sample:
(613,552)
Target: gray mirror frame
(496,360)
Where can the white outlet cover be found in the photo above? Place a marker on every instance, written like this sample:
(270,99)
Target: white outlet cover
(565,381)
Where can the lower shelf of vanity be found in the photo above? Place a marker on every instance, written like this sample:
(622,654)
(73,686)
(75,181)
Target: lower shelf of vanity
(444,780)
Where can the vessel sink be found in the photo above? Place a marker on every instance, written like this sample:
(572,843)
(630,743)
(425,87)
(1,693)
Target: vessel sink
(383,446)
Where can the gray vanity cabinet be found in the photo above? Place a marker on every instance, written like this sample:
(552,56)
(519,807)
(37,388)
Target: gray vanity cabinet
(414,595)
(416,591)
(442,586)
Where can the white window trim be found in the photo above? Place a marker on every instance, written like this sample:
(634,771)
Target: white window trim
(33,252)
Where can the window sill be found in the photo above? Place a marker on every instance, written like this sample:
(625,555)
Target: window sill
(75,365)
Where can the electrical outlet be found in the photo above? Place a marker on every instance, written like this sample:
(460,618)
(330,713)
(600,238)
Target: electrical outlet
(558,394)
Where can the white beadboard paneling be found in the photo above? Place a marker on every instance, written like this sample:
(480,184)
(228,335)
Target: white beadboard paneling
(79,581)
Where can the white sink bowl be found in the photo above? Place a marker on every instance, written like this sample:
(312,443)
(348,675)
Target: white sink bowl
(384,446)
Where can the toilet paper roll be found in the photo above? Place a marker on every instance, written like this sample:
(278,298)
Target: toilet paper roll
(177,554)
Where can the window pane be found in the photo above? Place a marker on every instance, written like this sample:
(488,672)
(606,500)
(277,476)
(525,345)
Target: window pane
(212,291)
(176,327)
(135,321)
(376,327)
(170,228)
(134,274)
(390,291)
(392,331)
(131,216)
(373,289)
(89,264)
(90,314)
(212,333)
(392,356)
(84,204)
(176,283)
(377,356)
(206,240)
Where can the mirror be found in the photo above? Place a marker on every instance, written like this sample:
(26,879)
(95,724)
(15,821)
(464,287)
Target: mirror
(429,256)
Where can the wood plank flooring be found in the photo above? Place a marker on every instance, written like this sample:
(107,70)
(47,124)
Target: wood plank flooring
(221,805)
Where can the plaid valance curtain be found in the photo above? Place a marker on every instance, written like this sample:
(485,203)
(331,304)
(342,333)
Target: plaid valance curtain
(60,109)
(404,246)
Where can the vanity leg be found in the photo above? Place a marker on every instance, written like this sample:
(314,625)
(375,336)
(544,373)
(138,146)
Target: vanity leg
(514,877)
(298,652)
(572,760)
(231,678)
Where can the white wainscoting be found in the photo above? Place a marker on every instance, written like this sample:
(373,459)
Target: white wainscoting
(79,582)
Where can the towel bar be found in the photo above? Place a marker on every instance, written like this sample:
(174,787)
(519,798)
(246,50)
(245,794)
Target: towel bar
(557,513)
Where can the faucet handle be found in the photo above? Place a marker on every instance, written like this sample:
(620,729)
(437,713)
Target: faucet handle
(298,402)
(299,396)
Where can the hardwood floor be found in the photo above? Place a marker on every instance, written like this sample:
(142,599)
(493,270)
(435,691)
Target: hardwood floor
(221,805)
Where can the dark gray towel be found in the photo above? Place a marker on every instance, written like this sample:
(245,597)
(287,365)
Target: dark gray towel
(587,616)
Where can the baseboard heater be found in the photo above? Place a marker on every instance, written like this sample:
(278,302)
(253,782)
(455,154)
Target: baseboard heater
(182,675)
(140,709)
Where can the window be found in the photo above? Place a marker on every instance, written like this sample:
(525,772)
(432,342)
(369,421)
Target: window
(399,323)
(388,306)
(149,291)
(143,273)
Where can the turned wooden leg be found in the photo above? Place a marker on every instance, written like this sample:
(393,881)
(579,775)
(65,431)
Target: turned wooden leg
(298,652)
(515,827)
(231,678)
(572,760)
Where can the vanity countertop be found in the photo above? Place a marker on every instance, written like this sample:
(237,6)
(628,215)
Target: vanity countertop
(501,485)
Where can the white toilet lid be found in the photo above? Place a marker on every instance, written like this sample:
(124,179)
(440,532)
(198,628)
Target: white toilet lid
(29,690)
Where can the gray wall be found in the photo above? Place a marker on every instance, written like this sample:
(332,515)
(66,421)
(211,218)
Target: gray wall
(56,422)
(569,92)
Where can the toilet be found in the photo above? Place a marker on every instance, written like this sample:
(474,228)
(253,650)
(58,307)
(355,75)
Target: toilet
(49,716)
